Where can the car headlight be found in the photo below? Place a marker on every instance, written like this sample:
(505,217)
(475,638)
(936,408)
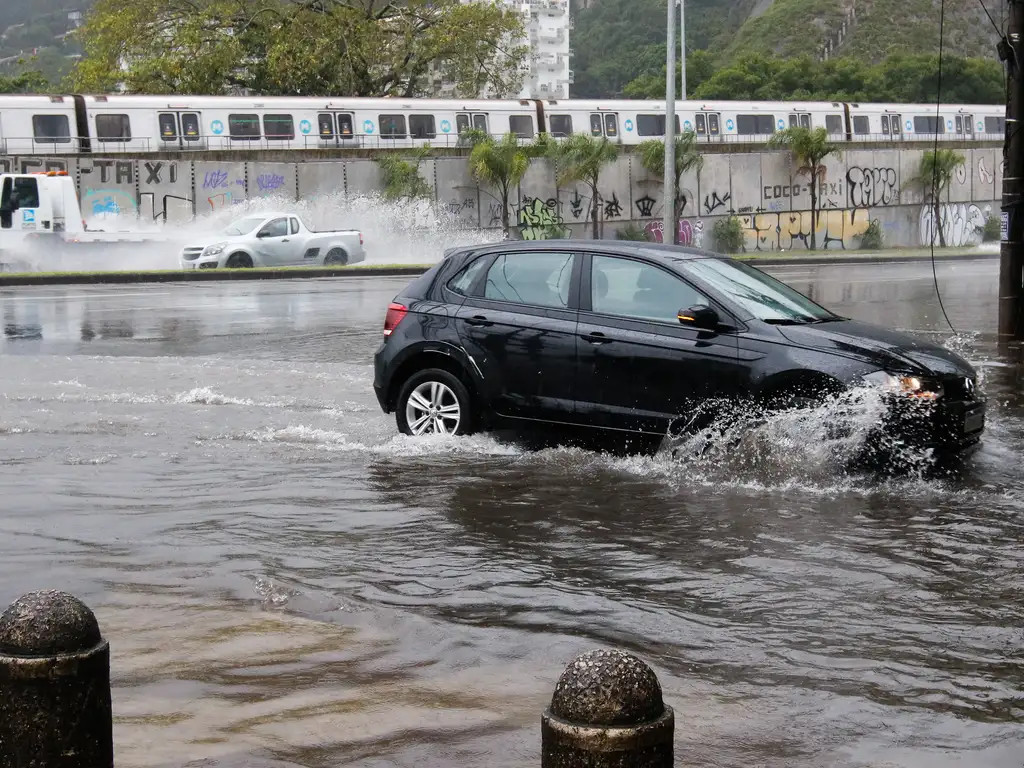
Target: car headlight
(213,250)
(909,386)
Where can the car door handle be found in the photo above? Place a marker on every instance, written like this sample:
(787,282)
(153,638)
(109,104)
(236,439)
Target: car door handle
(286,240)
(478,321)
(595,337)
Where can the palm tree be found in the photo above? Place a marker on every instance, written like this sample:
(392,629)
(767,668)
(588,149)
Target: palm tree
(581,158)
(809,148)
(935,174)
(501,164)
(652,157)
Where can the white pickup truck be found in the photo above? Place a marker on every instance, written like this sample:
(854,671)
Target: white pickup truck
(274,240)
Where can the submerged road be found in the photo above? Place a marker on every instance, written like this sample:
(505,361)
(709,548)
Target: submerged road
(286,582)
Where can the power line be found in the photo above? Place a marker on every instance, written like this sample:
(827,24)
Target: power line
(937,209)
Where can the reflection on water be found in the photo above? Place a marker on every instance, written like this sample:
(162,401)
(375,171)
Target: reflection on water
(286,582)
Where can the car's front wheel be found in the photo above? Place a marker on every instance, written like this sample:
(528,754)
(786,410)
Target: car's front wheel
(434,402)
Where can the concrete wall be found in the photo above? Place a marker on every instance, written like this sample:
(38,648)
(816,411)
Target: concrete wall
(763,190)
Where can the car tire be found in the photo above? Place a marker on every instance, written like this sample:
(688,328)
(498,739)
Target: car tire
(433,401)
(336,257)
(238,261)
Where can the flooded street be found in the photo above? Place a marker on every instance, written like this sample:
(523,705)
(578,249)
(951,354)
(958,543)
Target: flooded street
(285,581)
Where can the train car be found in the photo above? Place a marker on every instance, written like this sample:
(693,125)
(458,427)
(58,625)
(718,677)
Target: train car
(161,123)
(33,124)
(922,122)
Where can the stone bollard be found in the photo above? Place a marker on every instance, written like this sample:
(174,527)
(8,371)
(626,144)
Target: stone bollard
(607,712)
(54,685)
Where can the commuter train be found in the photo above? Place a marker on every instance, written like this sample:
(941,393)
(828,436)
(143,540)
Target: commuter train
(35,124)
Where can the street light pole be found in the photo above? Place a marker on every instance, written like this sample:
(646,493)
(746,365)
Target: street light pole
(1011,250)
(669,224)
(682,49)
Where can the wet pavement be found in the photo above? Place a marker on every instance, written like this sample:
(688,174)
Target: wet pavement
(285,582)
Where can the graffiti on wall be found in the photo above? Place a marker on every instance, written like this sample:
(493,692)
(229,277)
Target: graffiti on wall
(986,176)
(871,187)
(836,228)
(541,220)
(962,224)
(691,232)
(107,202)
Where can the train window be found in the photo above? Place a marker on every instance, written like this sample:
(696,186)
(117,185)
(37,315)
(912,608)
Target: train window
(113,128)
(279,127)
(325,125)
(713,124)
(805,121)
(885,125)
(755,125)
(244,126)
(653,125)
(834,124)
(611,125)
(596,128)
(702,123)
(929,124)
(462,123)
(793,121)
(190,126)
(345,126)
(52,129)
(561,125)
(422,126)
(480,122)
(521,126)
(969,125)
(392,126)
(861,125)
(995,125)
(959,124)
(168,127)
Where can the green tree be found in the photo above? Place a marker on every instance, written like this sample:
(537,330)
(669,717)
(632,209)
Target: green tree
(934,176)
(501,164)
(307,47)
(401,175)
(26,82)
(688,158)
(651,85)
(809,148)
(580,158)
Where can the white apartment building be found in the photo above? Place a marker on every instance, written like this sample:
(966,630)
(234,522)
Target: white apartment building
(548,74)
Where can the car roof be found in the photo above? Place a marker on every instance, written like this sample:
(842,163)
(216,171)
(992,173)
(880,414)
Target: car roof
(656,251)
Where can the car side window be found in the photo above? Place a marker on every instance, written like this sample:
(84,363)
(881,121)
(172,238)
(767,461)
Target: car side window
(539,278)
(295,225)
(627,288)
(275,228)
(463,281)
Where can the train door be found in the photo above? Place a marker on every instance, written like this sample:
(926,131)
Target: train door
(892,126)
(965,125)
(475,120)
(181,129)
(708,125)
(336,129)
(800,119)
(604,124)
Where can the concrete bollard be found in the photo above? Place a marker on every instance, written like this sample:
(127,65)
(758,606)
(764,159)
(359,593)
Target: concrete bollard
(607,712)
(55,707)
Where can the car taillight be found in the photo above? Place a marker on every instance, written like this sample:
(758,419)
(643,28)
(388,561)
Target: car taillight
(360,238)
(394,316)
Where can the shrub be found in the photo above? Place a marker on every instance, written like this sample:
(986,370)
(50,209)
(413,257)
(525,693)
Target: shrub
(632,232)
(872,239)
(991,231)
(728,234)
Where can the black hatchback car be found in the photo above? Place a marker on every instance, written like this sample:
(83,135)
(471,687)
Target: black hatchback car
(630,338)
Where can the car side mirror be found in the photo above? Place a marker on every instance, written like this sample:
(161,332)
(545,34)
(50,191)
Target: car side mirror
(700,316)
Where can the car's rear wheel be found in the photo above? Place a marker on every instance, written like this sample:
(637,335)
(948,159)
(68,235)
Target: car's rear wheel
(434,402)
(336,257)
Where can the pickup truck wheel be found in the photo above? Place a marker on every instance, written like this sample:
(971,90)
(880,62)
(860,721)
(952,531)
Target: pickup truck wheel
(336,257)
(434,402)
(239,261)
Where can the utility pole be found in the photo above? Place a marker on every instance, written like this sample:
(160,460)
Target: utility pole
(1011,248)
(669,224)
(682,47)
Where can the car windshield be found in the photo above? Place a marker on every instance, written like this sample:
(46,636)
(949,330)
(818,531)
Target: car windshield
(767,299)
(244,226)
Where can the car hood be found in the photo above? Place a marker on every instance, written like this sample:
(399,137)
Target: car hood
(890,350)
